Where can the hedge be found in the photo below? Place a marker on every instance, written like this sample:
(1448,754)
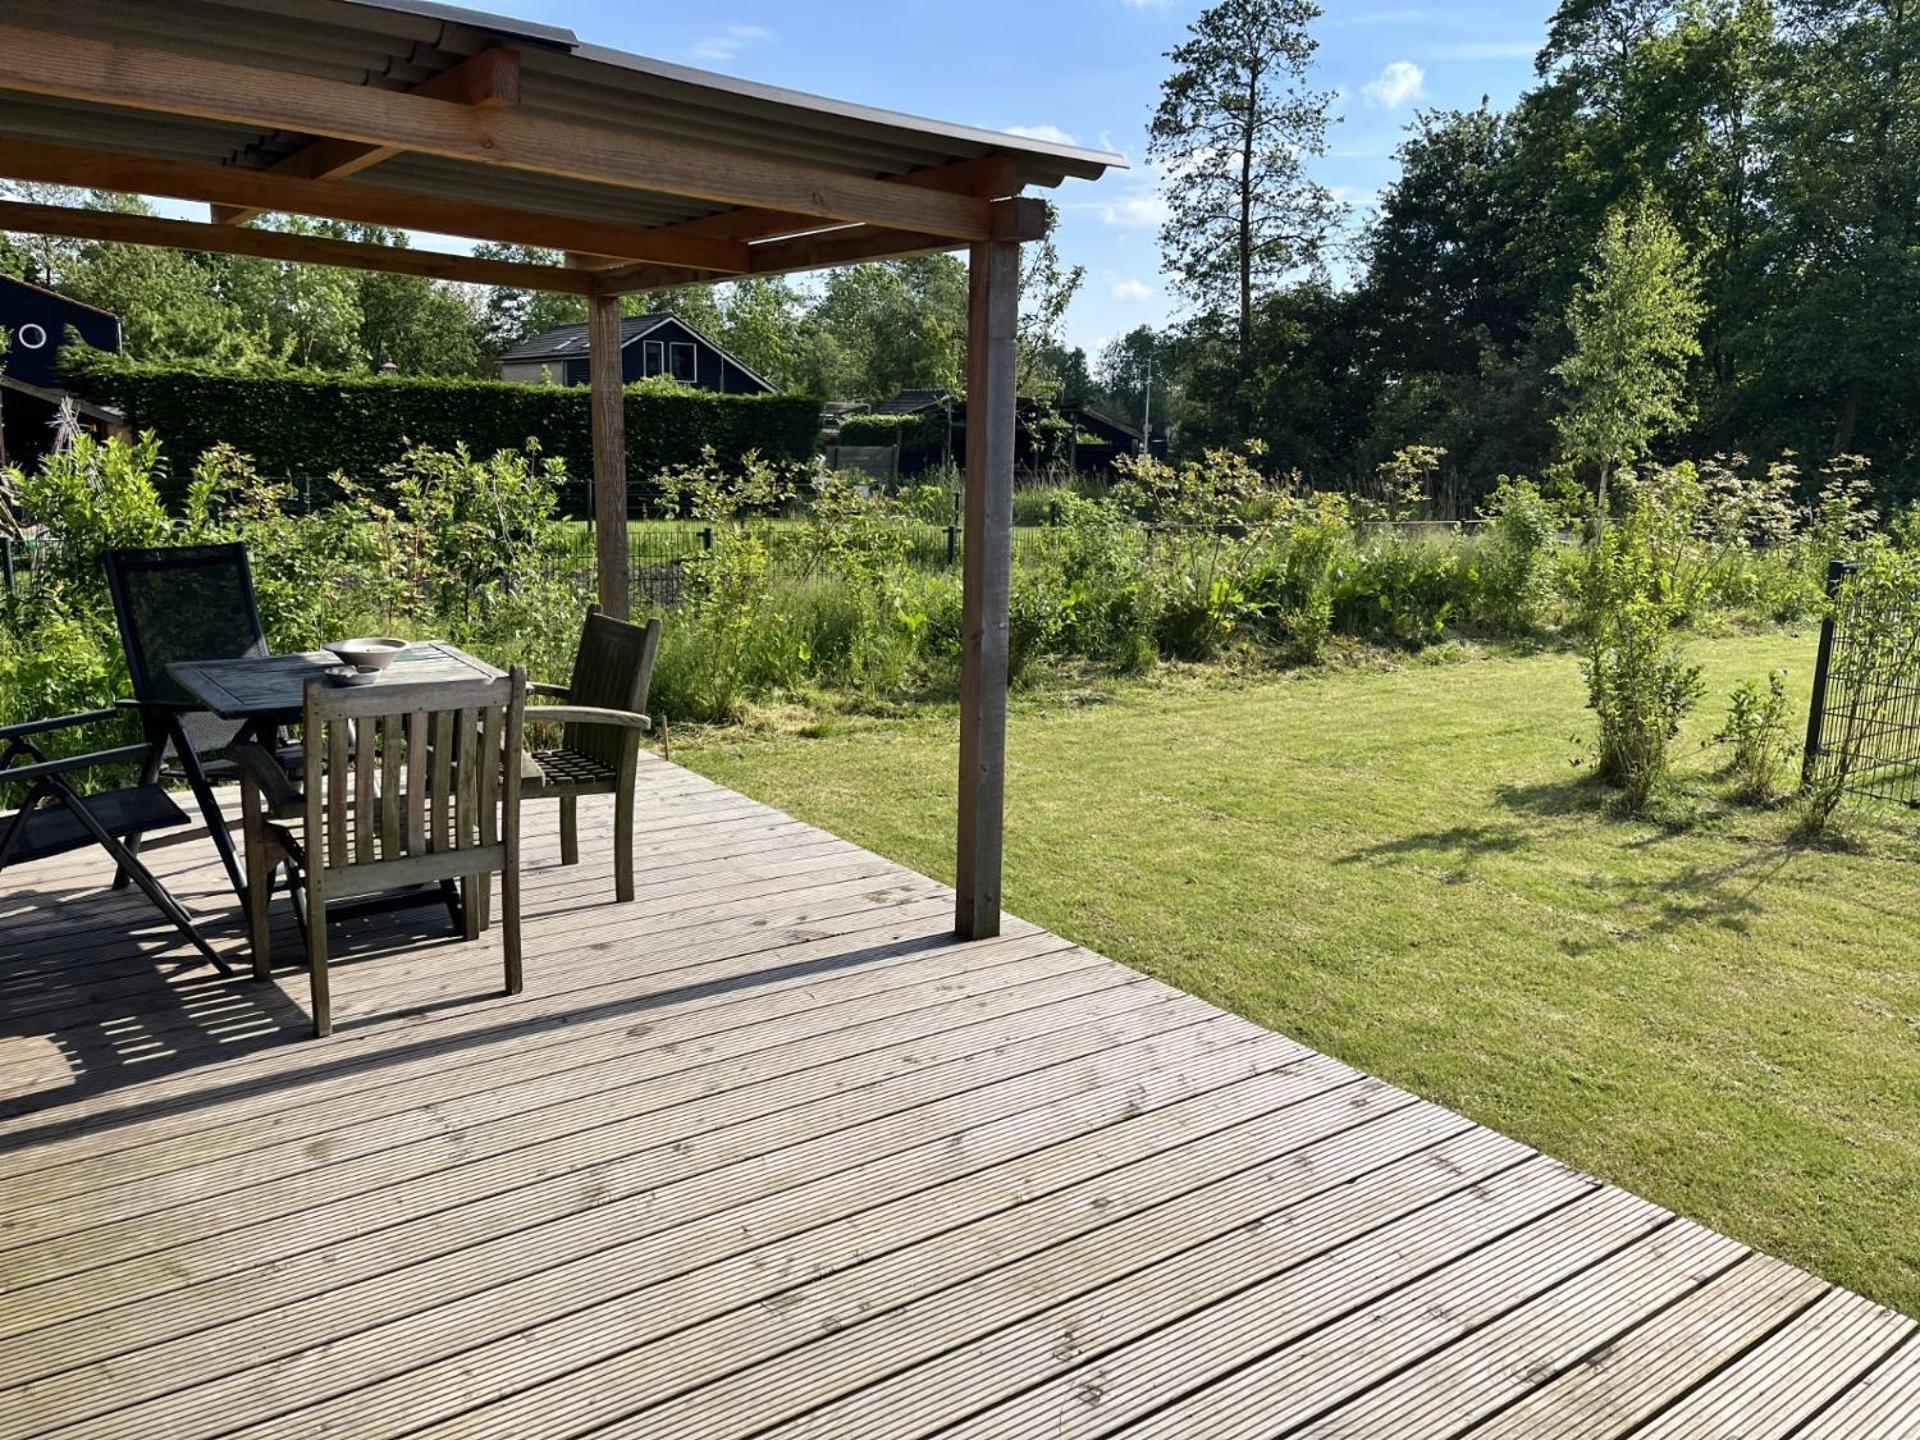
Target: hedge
(921,438)
(305,425)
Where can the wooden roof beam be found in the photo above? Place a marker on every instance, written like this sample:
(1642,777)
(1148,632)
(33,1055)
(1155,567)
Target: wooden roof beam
(278,245)
(365,204)
(988,177)
(1019,219)
(100,72)
(485,81)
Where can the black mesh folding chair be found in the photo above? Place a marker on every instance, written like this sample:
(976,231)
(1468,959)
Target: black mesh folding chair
(55,817)
(191,602)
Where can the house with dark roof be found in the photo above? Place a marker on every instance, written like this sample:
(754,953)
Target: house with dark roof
(1095,439)
(37,322)
(650,345)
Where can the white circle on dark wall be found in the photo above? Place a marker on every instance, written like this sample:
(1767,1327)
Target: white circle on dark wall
(31,337)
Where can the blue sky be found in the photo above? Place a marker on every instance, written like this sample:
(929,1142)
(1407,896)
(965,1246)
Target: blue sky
(1091,70)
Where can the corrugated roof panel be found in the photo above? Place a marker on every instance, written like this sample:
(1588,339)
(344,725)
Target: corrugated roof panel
(398,43)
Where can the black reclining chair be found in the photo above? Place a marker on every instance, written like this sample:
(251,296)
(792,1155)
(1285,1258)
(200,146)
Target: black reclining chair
(55,818)
(191,602)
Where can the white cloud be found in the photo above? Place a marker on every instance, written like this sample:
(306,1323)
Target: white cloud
(731,41)
(1488,50)
(1130,288)
(1052,134)
(1401,83)
(1136,212)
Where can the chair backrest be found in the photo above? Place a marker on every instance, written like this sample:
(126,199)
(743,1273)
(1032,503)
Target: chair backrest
(191,602)
(611,671)
(408,784)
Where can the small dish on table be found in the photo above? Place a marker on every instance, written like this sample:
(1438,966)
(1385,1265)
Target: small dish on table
(367,652)
(351,674)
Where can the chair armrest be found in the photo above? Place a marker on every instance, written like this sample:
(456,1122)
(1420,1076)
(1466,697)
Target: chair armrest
(557,692)
(260,766)
(586,715)
(46,769)
(59,722)
(164,707)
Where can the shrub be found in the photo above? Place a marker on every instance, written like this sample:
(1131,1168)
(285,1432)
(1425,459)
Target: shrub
(1516,574)
(1638,684)
(921,438)
(1755,735)
(302,423)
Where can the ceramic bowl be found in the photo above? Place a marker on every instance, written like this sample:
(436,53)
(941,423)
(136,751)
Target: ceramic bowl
(368,653)
(351,674)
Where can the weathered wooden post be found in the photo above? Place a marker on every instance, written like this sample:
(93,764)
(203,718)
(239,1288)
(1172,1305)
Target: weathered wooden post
(986,565)
(608,405)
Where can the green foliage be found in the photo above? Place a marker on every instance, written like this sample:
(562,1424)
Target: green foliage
(1238,128)
(1873,670)
(450,546)
(922,438)
(1756,738)
(1516,575)
(1639,685)
(1635,324)
(298,424)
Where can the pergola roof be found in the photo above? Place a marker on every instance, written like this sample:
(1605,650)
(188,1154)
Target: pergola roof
(509,128)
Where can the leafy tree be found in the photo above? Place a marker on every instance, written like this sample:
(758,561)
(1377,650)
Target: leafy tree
(876,329)
(1047,288)
(761,322)
(1235,129)
(1635,326)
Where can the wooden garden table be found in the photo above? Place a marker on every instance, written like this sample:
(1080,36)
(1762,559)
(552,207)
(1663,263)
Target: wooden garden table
(265,692)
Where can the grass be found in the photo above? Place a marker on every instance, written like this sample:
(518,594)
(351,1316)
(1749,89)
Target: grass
(1404,867)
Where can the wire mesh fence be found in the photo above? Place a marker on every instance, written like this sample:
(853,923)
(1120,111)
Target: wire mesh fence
(1863,728)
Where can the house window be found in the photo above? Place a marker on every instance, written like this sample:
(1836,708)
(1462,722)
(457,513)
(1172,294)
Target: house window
(653,357)
(686,363)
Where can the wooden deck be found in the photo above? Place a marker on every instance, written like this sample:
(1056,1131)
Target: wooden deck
(766,1153)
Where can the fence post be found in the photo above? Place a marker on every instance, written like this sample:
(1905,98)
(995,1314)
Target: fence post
(953,545)
(1817,709)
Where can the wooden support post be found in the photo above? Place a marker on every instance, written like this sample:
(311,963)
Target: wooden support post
(608,404)
(987,561)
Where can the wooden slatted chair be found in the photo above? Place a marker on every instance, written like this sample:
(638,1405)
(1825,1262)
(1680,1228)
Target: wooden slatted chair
(406,785)
(604,716)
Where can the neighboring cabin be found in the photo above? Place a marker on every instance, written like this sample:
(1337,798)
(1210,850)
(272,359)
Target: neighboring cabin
(1097,438)
(650,345)
(35,322)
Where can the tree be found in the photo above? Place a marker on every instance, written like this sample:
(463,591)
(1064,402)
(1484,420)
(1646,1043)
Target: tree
(511,315)
(1635,324)
(1235,129)
(1047,288)
(760,324)
(876,329)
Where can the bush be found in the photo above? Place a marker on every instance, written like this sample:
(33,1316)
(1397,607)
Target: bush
(922,438)
(1638,684)
(1516,575)
(1755,733)
(300,423)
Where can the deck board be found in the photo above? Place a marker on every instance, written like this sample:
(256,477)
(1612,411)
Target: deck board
(765,1151)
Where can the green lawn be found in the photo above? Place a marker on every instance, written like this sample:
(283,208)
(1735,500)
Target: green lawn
(1405,869)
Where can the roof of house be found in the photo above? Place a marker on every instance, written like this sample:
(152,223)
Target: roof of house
(910,402)
(56,295)
(569,342)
